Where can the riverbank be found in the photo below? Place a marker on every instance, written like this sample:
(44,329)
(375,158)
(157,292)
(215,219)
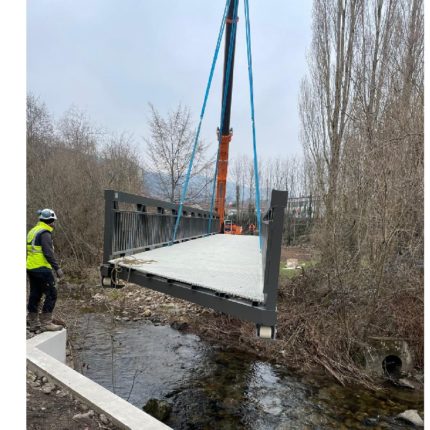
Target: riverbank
(317,330)
(204,381)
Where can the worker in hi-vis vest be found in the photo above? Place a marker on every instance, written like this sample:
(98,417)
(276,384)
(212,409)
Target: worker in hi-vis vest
(41,264)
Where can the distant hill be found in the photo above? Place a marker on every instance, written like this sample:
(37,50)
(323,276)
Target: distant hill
(153,187)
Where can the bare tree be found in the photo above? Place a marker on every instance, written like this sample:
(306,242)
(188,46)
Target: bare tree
(169,152)
(237,175)
(361,109)
(250,181)
(335,24)
(122,165)
(69,164)
(40,135)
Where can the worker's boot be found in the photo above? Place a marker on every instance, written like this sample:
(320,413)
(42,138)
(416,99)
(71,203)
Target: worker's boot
(47,324)
(33,321)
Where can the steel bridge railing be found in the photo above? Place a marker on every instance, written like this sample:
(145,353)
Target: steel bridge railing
(134,224)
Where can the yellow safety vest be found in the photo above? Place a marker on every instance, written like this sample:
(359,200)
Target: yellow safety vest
(35,256)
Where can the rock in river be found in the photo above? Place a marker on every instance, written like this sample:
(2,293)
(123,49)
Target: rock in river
(159,409)
(406,383)
(411,416)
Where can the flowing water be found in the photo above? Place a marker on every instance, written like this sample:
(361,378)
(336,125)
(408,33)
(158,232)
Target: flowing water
(212,388)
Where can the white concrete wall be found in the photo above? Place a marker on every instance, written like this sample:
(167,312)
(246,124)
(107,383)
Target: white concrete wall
(46,354)
(51,343)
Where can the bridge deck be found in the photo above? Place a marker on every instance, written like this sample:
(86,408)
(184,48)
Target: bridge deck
(224,263)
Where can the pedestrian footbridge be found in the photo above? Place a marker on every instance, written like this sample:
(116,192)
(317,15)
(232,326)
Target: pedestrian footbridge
(233,274)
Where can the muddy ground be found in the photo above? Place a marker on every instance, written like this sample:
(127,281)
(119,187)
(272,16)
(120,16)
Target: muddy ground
(56,409)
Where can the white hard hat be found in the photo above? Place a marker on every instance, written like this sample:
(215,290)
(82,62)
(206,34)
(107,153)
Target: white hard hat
(46,214)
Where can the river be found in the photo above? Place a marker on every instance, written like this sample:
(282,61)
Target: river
(210,387)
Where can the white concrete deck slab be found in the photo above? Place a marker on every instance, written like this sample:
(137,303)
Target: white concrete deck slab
(225,263)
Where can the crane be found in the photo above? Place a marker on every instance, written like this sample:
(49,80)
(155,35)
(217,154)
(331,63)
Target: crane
(226,133)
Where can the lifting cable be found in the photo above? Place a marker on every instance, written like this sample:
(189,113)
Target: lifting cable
(224,103)
(251,96)
(190,165)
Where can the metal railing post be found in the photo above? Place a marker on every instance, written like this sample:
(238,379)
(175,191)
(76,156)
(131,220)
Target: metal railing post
(110,206)
(272,249)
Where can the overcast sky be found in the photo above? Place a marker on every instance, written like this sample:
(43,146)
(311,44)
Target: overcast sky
(111,57)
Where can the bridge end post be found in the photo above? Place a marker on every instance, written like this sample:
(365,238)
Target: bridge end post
(111,204)
(272,226)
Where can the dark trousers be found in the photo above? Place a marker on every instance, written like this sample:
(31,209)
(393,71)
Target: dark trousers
(41,283)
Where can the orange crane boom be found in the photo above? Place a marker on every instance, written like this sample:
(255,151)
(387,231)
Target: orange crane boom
(221,182)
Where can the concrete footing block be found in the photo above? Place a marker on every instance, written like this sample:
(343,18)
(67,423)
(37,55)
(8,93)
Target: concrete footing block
(46,355)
